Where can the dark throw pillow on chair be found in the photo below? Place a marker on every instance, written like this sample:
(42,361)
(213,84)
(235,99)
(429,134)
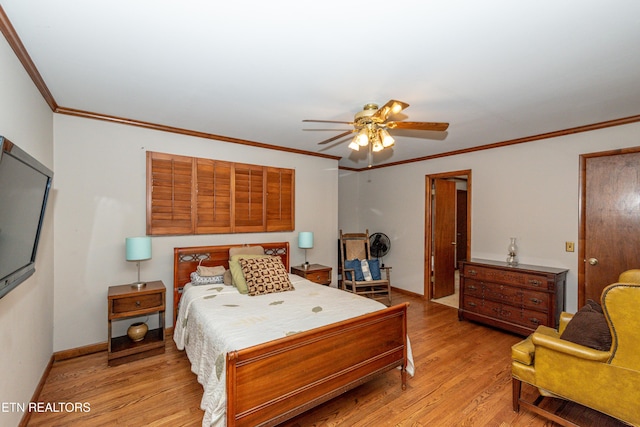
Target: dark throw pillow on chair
(354,264)
(589,328)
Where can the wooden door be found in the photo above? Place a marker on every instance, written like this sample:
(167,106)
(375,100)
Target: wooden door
(461,226)
(610,223)
(444,238)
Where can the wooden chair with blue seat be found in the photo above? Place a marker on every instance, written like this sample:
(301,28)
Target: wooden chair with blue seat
(354,248)
(577,363)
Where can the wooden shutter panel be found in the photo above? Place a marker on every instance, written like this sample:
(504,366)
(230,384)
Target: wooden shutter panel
(280,199)
(249,198)
(169,194)
(213,196)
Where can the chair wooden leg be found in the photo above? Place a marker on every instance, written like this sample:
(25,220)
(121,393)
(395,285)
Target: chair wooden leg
(516,388)
(534,406)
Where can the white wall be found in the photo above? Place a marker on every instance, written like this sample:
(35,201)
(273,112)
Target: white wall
(101,199)
(26,312)
(528,191)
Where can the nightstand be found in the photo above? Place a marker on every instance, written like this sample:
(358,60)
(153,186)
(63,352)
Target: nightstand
(126,301)
(317,273)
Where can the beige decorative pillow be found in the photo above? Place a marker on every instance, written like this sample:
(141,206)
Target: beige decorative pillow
(265,275)
(218,270)
(246,250)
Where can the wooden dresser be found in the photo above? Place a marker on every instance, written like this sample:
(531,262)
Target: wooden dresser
(516,299)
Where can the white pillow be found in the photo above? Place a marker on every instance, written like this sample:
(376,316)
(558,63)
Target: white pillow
(365,270)
(197,280)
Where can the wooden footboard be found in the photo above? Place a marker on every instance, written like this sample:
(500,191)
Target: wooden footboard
(272,382)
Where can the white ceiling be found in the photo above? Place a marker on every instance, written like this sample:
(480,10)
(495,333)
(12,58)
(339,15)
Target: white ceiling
(496,70)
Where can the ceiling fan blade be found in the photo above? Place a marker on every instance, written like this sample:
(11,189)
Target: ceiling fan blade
(343,134)
(419,125)
(390,108)
(324,130)
(327,121)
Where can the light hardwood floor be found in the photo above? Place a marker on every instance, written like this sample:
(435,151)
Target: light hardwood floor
(462,378)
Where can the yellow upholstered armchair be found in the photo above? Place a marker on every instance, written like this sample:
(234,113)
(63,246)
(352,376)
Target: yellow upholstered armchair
(607,380)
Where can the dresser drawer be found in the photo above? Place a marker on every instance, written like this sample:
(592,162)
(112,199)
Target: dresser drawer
(503,293)
(474,304)
(528,318)
(536,300)
(473,288)
(517,296)
(505,276)
(506,313)
(138,302)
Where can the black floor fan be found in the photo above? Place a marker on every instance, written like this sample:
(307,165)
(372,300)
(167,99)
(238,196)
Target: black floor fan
(379,245)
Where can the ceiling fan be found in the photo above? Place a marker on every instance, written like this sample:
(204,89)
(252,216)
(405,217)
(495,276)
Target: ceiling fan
(372,124)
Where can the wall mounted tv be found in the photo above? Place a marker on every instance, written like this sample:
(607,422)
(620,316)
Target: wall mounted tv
(24,190)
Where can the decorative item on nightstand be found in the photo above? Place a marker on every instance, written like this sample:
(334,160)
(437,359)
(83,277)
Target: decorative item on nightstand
(305,241)
(137,331)
(138,249)
(512,250)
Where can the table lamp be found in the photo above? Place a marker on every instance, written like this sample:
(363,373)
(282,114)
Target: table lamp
(305,241)
(138,249)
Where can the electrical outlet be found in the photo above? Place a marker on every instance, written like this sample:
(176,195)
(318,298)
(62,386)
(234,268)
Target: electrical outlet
(568,246)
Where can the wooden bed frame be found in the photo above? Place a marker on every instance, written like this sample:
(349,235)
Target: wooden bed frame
(275,381)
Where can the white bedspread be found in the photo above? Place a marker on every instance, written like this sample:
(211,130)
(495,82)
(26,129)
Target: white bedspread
(216,319)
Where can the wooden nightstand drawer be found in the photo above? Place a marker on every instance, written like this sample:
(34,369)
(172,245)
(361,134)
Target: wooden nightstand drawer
(138,302)
(317,273)
(322,277)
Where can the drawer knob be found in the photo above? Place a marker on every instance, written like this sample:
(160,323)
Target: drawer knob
(471,288)
(534,321)
(535,282)
(535,300)
(472,272)
(137,303)
(472,304)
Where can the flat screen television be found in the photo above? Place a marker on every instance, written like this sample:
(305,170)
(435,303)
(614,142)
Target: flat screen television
(24,190)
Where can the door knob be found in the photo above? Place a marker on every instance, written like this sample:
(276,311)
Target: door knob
(593,261)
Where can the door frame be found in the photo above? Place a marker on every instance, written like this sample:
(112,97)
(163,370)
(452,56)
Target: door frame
(428,211)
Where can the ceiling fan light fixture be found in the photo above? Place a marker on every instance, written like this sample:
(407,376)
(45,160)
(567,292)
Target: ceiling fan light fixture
(362,138)
(354,145)
(387,140)
(377,146)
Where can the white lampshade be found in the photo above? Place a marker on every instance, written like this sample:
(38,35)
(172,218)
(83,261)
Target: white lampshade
(305,239)
(138,248)
(362,138)
(387,140)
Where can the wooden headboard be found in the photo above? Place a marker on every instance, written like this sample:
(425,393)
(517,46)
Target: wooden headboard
(186,261)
